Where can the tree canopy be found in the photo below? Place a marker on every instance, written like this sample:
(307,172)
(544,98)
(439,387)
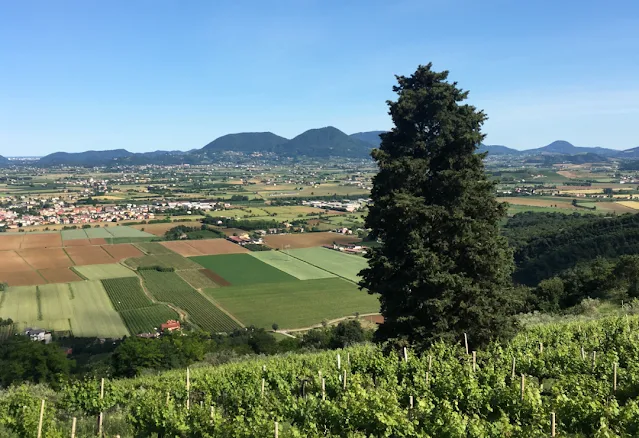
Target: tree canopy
(443,268)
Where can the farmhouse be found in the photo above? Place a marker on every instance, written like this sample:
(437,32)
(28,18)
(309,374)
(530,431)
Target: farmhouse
(170,325)
(38,335)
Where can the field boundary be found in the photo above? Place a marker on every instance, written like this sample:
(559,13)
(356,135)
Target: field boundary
(330,272)
(331,321)
(216,304)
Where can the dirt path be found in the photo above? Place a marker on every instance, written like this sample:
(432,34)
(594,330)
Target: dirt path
(332,321)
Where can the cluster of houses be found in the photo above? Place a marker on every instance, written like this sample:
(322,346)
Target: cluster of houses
(168,327)
(349,248)
(343,205)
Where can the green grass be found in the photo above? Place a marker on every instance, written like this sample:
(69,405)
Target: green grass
(295,304)
(165,260)
(126,293)
(95,233)
(101,272)
(168,287)
(127,232)
(290,265)
(343,265)
(82,307)
(73,234)
(196,279)
(243,269)
(154,248)
(147,319)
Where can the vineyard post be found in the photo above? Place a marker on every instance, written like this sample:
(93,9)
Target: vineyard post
(410,407)
(263,382)
(73,427)
(167,397)
(339,362)
(474,361)
(541,348)
(583,354)
(523,381)
(41,417)
(344,379)
(430,362)
(188,389)
(277,431)
(323,389)
(552,424)
(614,377)
(212,412)
(348,359)
(101,412)
(594,358)
(427,377)
(405,354)
(513,371)
(466,342)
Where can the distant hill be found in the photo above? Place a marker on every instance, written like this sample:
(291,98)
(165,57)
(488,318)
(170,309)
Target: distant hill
(245,142)
(371,137)
(325,142)
(563,147)
(88,158)
(497,150)
(4,161)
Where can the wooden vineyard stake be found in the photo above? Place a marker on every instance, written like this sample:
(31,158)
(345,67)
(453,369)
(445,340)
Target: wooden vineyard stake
(168,396)
(405,354)
(339,362)
(474,361)
(212,412)
(344,379)
(410,401)
(263,383)
(430,362)
(594,358)
(73,427)
(466,342)
(614,377)
(523,382)
(541,348)
(277,430)
(41,417)
(552,424)
(188,389)
(319,373)
(427,377)
(264,368)
(101,412)
(513,370)
(323,389)
(348,359)
(583,354)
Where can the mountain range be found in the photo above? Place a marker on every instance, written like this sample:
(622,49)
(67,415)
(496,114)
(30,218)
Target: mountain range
(314,143)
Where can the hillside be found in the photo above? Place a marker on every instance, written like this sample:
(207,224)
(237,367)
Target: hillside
(4,161)
(88,158)
(566,148)
(323,143)
(245,142)
(497,150)
(371,137)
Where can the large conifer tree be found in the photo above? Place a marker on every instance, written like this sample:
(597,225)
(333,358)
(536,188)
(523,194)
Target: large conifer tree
(443,269)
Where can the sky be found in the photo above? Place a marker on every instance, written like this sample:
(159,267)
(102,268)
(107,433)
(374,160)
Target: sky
(155,74)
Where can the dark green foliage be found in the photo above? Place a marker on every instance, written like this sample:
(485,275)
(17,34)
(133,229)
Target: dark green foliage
(247,225)
(193,233)
(551,253)
(156,268)
(22,359)
(245,142)
(324,142)
(256,247)
(443,269)
(344,334)
(372,137)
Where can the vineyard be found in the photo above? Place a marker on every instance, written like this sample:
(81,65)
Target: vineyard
(147,319)
(578,380)
(126,293)
(171,288)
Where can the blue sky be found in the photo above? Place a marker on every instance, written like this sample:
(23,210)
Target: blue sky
(155,74)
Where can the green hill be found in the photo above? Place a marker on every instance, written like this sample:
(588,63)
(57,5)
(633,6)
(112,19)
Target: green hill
(325,142)
(245,142)
(371,137)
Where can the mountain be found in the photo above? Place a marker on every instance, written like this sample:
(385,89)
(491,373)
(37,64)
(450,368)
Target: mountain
(245,142)
(629,153)
(88,158)
(563,147)
(4,161)
(497,150)
(325,142)
(371,137)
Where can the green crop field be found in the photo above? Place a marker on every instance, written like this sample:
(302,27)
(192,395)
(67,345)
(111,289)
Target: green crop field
(82,307)
(196,279)
(147,319)
(165,260)
(114,240)
(127,232)
(294,304)
(101,272)
(168,287)
(243,269)
(73,234)
(343,265)
(126,293)
(95,233)
(154,248)
(290,265)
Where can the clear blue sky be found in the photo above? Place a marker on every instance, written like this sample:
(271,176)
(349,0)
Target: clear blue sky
(155,74)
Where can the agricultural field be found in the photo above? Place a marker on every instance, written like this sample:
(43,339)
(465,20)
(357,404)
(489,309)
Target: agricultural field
(88,255)
(41,240)
(122,251)
(217,246)
(160,229)
(164,260)
(240,269)
(343,265)
(147,319)
(291,265)
(59,275)
(182,247)
(42,258)
(94,313)
(102,272)
(168,287)
(153,248)
(307,240)
(197,278)
(294,304)
(126,293)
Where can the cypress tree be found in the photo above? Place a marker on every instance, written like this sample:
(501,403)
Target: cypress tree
(443,268)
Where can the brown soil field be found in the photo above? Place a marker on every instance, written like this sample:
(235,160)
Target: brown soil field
(98,241)
(42,258)
(10,261)
(217,246)
(160,229)
(89,255)
(183,248)
(51,240)
(308,240)
(121,251)
(216,278)
(10,241)
(24,278)
(77,242)
(59,275)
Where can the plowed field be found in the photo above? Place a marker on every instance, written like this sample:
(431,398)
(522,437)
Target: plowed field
(59,275)
(217,246)
(42,258)
(10,261)
(182,248)
(89,255)
(22,278)
(51,240)
(122,251)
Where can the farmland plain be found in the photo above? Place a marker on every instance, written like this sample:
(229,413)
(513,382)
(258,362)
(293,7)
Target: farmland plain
(147,319)
(100,272)
(243,269)
(290,265)
(343,265)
